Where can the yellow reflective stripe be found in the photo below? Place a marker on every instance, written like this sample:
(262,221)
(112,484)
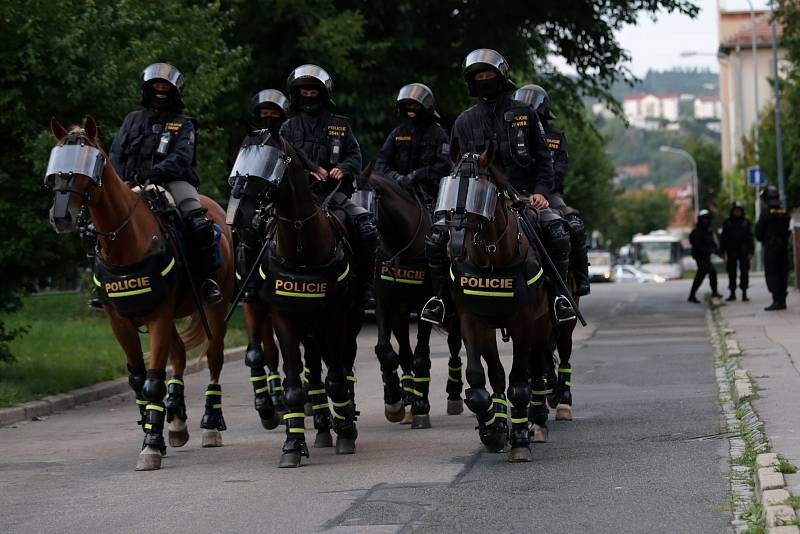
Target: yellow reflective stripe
(565,370)
(352,378)
(568,383)
(301,295)
(273,377)
(168,268)
(306,370)
(213,392)
(341,404)
(500,401)
(454,368)
(238,276)
(154,407)
(336,415)
(422,379)
(542,391)
(148,426)
(96,281)
(316,392)
(258,378)
(215,406)
(408,389)
(319,406)
(495,416)
(519,419)
(262,390)
(261,273)
(297,430)
(451,379)
(406,377)
(535,278)
(402,280)
(175,381)
(130,293)
(344,274)
(536,403)
(278,388)
(293,415)
(415,392)
(488,293)
(141,402)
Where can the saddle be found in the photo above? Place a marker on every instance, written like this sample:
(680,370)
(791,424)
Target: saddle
(154,191)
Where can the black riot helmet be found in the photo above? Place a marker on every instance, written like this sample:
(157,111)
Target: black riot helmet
(771,196)
(536,97)
(419,93)
(163,72)
(484,59)
(736,205)
(704,216)
(269,99)
(311,77)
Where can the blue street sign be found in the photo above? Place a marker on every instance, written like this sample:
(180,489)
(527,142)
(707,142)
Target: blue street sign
(756,178)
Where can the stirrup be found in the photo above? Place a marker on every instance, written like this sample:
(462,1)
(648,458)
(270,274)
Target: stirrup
(566,308)
(429,314)
(211,292)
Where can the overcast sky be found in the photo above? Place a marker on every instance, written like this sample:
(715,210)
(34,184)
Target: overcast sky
(658,45)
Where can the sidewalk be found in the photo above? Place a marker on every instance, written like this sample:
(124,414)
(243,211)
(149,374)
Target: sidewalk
(770,345)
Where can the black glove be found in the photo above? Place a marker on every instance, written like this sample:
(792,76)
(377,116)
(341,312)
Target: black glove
(407,181)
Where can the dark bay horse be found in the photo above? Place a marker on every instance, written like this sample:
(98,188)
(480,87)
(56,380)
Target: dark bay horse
(402,285)
(496,281)
(131,237)
(310,288)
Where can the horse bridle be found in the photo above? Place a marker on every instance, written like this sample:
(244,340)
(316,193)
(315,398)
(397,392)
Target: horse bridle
(413,239)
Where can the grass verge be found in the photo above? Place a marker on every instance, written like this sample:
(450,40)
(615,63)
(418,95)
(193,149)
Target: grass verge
(68,346)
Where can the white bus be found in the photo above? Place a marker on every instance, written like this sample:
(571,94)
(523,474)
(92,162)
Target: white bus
(658,253)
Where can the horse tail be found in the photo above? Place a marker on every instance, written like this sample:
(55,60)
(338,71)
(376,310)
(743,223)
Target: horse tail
(194,334)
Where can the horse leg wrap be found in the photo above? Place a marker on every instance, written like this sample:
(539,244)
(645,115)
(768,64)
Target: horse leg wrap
(407,383)
(153,425)
(319,403)
(263,402)
(295,432)
(420,405)
(351,380)
(454,383)
(537,409)
(254,357)
(276,390)
(387,357)
(212,418)
(565,385)
(154,388)
(389,361)
(136,378)
(519,395)
(478,401)
(176,404)
(343,409)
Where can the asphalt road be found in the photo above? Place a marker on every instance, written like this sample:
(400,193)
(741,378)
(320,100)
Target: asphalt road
(642,455)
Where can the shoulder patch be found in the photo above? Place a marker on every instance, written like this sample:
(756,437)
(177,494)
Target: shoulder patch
(445,148)
(553,143)
(402,138)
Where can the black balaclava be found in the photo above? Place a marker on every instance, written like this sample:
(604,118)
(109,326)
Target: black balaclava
(273,124)
(162,104)
(489,89)
(310,104)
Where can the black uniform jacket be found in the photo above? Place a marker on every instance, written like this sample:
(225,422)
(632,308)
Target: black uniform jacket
(736,239)
(703,243)
(135,150)
(557,145)
(328,141)
(522,151)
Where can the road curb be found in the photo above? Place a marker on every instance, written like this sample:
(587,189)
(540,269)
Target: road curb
(769,485)
(64,401)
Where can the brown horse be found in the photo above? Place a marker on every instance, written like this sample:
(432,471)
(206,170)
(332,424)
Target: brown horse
(496,283)
(309,286)
(130,235)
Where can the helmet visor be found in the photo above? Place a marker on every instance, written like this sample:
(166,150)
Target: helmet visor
(416,92)
(83,160)
(166,72)
(259,161)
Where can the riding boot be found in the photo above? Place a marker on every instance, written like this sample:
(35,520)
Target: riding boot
(212,418)
(136,378)
(557,241)
(204,240)
(579,266)
(367,246)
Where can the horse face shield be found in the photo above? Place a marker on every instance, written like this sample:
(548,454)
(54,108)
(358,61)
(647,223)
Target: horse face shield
(467,191)
(73,172)
(258,170)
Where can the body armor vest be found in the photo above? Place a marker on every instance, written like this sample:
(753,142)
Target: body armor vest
(149,140)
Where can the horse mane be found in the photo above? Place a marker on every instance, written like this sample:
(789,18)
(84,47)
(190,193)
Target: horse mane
(387,182)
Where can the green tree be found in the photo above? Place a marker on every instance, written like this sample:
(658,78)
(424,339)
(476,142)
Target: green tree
(638,211)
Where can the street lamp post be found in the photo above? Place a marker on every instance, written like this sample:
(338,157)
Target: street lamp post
(755,123)
(682,153)
(778,129)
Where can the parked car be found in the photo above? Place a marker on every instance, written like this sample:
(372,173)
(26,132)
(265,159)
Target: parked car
(629,273)
(600,266)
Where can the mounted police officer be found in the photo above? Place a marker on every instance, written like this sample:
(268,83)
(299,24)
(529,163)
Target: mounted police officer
(269,111)
(521,153)
(772,229)
(327,141)
(156,145)
(736,243)
(416,154)
(537,98)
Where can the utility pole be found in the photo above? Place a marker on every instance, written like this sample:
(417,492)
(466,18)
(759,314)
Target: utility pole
(778,129)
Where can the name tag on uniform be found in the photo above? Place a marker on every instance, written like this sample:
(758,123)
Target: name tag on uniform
(520,121)
(402,138)
(553,144)
(336,131)
(173,126)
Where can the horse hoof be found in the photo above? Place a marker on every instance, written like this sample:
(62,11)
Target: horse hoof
(308,410)
(212,438)
(539,434)
(323,440)
(455,406)
(178,433)
(520,454)
(394,412)
(290,459)
(345,445)
(563,412)
(407,417)
(149,459)
(421,421)
(271,422)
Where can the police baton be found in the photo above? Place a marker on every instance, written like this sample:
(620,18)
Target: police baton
(518,205)
(247,278)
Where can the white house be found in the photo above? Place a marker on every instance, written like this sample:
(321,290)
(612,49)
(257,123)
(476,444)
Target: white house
(708,107)
(643,108)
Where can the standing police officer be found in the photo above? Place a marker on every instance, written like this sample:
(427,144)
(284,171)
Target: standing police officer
(157,145)
(521,153)
(416,154)
(328,142)
(537,98)
(704,244)
(772,229)
(736,243)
